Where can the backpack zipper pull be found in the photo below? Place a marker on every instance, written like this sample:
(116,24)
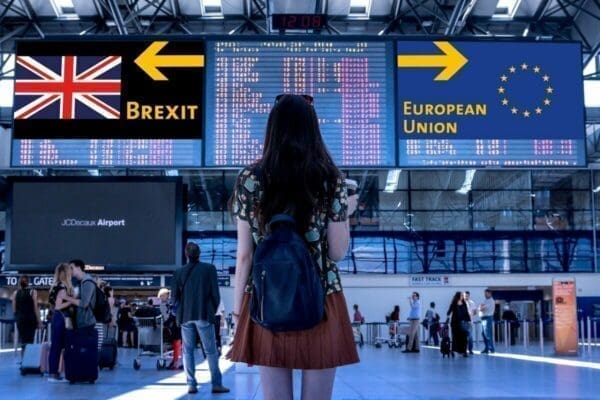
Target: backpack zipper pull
(262,299)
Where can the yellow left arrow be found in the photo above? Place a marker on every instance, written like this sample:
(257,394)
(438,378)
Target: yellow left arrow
(150,60)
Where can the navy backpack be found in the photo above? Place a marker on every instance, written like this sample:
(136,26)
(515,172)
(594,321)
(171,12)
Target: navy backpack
(287,293)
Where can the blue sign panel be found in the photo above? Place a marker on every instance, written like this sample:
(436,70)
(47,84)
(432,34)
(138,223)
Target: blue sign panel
(497,104)
(351,82)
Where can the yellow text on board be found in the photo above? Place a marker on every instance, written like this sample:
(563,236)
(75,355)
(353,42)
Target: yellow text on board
(414,112)
(137,110)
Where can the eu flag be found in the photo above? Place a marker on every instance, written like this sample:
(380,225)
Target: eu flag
(531,90)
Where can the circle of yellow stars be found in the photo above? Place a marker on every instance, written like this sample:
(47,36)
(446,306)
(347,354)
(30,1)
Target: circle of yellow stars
(514,109)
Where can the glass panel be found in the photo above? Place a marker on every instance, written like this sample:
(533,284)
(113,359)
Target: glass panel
(501,200)
(503,180)
(504,220)
(441,180)
(562,209)
(561,253)
(206,191)
(560,179)
(369,254)
(440,220)
(393,208)
(438,200)
(218,250)
(503,255)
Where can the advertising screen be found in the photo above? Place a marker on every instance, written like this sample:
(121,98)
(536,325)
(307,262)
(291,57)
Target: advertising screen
(119,224)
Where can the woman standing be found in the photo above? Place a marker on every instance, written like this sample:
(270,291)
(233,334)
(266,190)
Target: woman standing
(295,175)
(27,312)
(460,323)
(63,314)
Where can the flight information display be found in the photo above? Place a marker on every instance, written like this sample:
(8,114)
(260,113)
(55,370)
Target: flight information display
(351,82)
(490,104)
(99,153)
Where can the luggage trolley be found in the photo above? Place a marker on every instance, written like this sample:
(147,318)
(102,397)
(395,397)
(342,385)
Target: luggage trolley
(150,341)
(396,330)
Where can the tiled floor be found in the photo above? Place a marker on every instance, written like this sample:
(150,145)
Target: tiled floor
(383,374)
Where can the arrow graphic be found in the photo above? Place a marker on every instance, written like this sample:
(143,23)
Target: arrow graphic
(451,61)
(150,60)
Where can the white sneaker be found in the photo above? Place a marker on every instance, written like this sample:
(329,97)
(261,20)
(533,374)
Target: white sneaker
(56,380)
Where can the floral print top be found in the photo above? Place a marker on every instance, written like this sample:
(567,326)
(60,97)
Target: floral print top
(246,197)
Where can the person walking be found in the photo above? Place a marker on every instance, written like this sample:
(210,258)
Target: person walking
(296,176)
(433,323)
(486,312)
(511,319)
(414,317)
(459,323)
(358,317)
(27,313)
(196,293)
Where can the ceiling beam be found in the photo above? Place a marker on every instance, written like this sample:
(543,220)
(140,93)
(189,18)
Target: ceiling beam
(6,9)
(15,33)
(456,14)
(117,17)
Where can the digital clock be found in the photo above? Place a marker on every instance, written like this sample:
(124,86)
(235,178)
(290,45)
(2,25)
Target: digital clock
(298,21)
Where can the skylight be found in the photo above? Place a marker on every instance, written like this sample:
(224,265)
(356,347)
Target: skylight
(212,7)
(64,8)
(359,7)
(506,9)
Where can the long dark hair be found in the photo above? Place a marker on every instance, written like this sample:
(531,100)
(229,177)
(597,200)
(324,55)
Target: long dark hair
(456,298)
(298,174)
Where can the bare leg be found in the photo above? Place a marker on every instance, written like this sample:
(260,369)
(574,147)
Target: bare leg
(317,384)
(276,383)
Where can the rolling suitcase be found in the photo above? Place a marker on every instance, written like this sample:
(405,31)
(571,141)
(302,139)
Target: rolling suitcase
(32,356)
(81,356)
(108,352)
(32,359)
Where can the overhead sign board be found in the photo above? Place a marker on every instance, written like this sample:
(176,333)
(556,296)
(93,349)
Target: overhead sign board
(497,104)
(117,89)
(429,280)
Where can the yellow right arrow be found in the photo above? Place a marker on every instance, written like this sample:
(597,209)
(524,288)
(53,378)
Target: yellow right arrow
(452,61)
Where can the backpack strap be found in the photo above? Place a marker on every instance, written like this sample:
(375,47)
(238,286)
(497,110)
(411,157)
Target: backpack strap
(93,296)
(285,218)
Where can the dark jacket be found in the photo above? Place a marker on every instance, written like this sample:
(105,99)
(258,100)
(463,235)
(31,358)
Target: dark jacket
(196,292)
(459,313)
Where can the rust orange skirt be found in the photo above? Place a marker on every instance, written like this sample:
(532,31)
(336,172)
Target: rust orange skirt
(328,345)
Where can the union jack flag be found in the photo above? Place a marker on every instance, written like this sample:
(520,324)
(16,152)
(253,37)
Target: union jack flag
(67,87)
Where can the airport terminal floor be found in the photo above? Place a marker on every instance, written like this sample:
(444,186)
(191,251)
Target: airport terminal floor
(382,374)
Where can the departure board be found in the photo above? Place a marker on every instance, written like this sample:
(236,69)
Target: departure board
(351,82)
(490,104)
(98,153)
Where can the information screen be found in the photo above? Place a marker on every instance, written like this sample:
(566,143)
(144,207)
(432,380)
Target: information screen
(106,153)
(108,102)
(497,104)
(120,224)
(351,82)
